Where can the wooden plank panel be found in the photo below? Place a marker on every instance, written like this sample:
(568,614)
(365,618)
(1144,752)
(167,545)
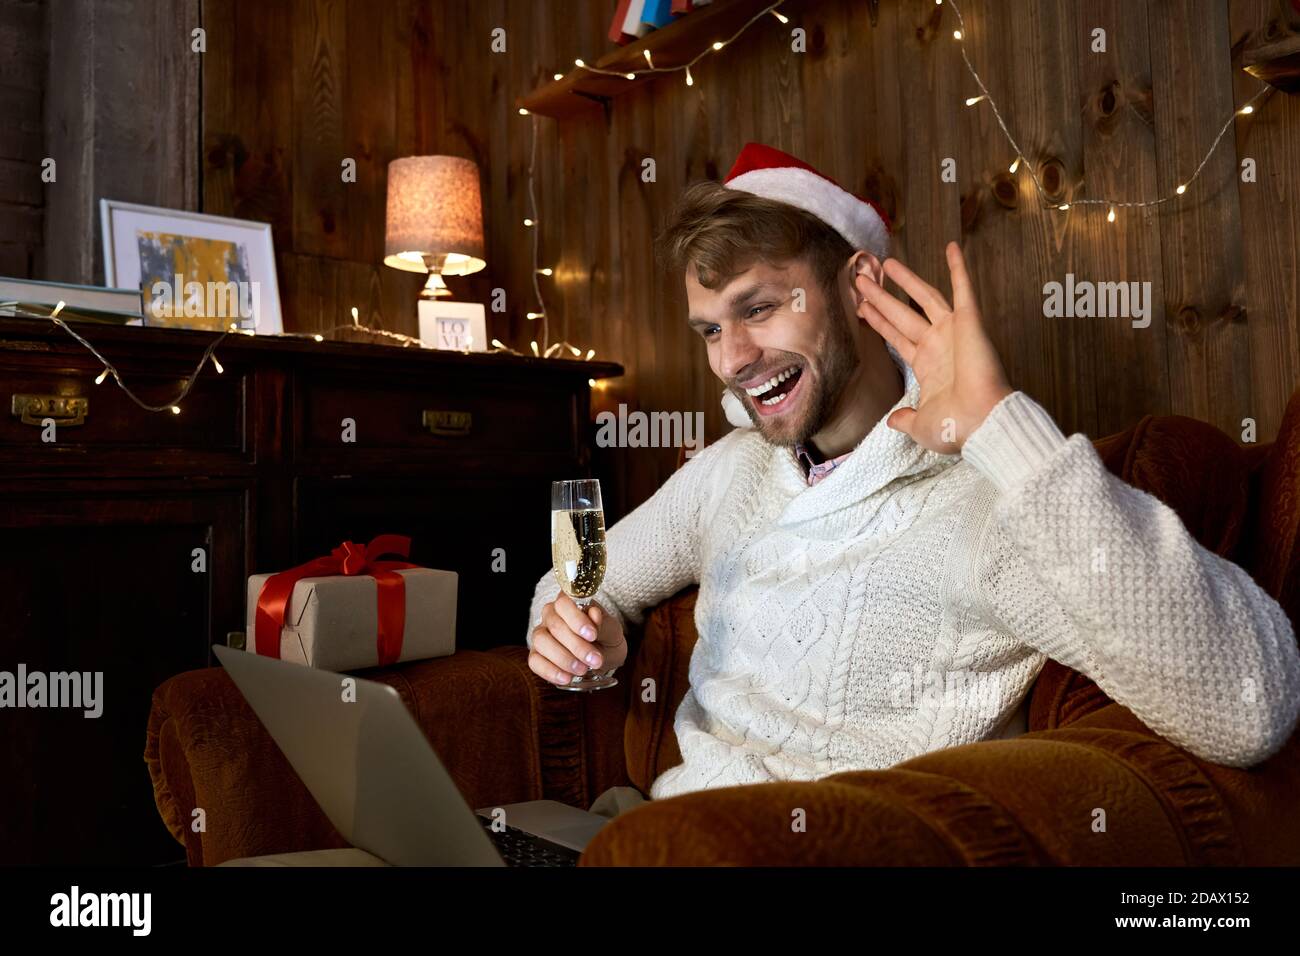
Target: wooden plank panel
(1130,376)
(1052,360)
(928,213)
(993,235)
(24,137)
(1204,275)
(322,135)
(22,61)
(1270,228)
(249,122)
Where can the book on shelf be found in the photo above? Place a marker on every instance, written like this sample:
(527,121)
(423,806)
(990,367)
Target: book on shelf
(657,13)
(616,34)
(94,303)
(632,23)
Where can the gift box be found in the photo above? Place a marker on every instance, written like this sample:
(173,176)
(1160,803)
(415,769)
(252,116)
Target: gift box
(352,610)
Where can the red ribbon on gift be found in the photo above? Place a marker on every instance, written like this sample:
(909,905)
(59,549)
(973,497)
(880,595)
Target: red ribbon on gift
(347,559)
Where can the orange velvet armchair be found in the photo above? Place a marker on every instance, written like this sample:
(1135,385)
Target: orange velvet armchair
(505,735)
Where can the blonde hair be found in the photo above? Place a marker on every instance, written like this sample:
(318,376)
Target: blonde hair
(722,232)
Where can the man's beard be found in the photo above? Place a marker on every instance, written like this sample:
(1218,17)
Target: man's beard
(833,366)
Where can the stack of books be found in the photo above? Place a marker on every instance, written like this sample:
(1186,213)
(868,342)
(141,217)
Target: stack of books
(635,18)
(86,303)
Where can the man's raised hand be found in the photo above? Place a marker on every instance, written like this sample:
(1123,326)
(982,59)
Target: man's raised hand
(956,366)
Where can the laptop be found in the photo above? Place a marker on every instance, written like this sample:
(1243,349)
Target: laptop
(378,779)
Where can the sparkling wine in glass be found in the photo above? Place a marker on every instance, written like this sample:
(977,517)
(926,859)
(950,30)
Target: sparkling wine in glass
(578,555)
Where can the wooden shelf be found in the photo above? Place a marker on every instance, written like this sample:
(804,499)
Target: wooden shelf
(1276,63)
(581,91)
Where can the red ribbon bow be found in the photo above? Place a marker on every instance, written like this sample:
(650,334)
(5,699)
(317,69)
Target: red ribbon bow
(350,559)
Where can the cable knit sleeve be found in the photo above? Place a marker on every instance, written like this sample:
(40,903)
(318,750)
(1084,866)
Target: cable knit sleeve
(654,551)
(1106,579)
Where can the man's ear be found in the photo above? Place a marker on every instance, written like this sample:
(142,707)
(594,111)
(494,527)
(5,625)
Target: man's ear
(865,263)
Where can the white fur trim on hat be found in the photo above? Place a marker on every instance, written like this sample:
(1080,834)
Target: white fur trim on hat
(844,212)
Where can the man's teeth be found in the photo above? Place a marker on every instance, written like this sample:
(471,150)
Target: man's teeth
(771,383)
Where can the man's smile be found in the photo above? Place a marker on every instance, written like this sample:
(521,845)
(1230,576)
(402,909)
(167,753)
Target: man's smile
(777,395)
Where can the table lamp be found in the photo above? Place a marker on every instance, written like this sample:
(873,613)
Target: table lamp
(434,219)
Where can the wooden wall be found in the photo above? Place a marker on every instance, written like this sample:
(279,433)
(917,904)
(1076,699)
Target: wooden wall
(22,80)
(122,116)
(296,86)
(290,88)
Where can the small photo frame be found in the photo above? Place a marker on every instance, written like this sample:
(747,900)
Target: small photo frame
(193,271)
(459,326)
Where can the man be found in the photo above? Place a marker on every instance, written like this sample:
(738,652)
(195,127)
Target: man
(888,555)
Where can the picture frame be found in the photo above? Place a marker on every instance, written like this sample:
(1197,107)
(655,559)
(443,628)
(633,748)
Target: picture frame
(193,270)
(457,326)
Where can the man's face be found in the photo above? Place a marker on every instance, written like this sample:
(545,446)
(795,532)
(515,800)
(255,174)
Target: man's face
(754,334)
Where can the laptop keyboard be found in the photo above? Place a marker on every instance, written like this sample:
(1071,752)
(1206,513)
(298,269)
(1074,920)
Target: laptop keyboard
(520,848)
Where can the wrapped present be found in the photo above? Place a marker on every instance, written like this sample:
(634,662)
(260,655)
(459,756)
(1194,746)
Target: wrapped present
(350,609)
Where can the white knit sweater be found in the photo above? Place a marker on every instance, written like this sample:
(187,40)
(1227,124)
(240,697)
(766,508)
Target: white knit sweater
(907,601)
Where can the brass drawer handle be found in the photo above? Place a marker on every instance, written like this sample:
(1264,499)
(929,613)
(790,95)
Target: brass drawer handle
(64,409)
(449,423)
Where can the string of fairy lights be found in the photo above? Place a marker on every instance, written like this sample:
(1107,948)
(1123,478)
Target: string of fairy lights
(548,349)
(960,34)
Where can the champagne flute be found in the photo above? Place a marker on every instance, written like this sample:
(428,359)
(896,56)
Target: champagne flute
(578,556)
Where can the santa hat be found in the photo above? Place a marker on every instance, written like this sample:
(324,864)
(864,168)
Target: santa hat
(772,174)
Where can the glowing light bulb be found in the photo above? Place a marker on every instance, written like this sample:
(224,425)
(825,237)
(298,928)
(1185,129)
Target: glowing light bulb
(1064,205)
(591,382)
(559,76)
(717,46)
(544,272)
(176,409)
(590,353)
(57,309)
(1015,165)
(783,19)
(217,364)
(972,100)
(522,111)
(1110,216)
(647,57)
(956,34)
(535,315)
(528,222)
(1247,110)
(1181,189)
(690,80)
(99,379)
(578,62)
(536,354)
(318,337)
(630,76)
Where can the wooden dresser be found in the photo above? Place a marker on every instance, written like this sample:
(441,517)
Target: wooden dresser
(100,526)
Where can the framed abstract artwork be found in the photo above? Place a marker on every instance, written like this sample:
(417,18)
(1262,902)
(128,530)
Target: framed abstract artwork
(194,271)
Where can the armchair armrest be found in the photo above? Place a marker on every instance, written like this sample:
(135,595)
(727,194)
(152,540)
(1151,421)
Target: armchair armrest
(1104,791)
(503,734)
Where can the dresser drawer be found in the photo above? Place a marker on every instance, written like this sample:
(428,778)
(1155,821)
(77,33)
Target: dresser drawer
(94,418)
(425,417)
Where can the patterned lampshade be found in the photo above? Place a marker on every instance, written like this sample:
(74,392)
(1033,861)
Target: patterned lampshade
(434,211)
